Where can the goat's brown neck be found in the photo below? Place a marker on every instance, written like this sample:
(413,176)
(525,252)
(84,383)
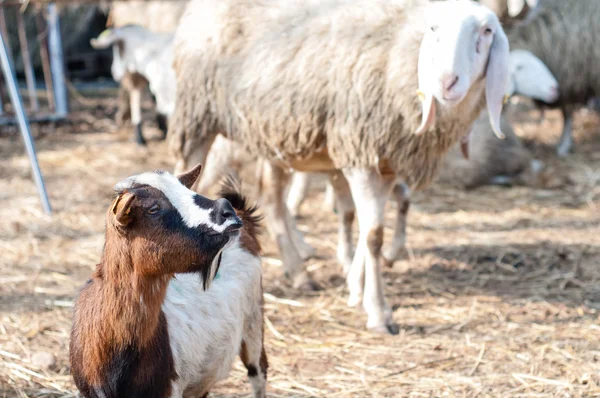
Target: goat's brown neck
(131,302)
(123,308)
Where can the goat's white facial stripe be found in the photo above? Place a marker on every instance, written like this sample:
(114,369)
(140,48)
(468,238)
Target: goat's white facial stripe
(180,197)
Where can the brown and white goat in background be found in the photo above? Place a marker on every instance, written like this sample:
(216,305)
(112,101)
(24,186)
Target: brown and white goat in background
(176,297)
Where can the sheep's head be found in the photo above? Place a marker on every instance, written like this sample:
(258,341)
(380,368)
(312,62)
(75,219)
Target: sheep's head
(463,43)
(167,228)
(530,77)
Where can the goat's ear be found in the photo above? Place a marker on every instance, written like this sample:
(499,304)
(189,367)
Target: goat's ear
(121,209)
(189,178)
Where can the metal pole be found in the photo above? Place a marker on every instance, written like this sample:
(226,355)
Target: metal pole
(10,78)
(61,100)
(27,66)
(43,39)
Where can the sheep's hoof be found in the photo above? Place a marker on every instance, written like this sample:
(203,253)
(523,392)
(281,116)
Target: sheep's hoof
(306,251)
(139,137)
(387,262)
(305,283)
(354,300)
(391,329)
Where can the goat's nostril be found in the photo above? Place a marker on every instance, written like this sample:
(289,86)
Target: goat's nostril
(228,213)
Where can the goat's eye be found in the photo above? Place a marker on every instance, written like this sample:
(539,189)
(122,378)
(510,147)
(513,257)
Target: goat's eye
(433,28)
(519,67)
(487,31)
(154,209)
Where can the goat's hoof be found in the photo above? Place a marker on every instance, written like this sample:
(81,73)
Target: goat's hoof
(389,329)
(304,283)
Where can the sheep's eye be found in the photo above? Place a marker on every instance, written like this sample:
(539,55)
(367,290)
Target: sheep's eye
(519,67)
(433,28)
(487,31)
(154,209)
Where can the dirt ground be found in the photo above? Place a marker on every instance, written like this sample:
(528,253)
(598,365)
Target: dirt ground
(498,294)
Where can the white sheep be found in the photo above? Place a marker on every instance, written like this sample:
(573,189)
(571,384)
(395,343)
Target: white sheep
(139,57)
(376,89)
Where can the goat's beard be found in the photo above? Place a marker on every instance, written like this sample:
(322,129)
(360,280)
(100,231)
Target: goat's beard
(213,269)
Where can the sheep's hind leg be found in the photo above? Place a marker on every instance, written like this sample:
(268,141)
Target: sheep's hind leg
(305,250)
(253,355)
(402,195)
(566,138)
(370,191)
(273,182)
(346,213)
(161,121)
(123,106)
(135,97)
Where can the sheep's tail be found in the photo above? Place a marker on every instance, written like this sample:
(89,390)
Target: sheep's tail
(252,229)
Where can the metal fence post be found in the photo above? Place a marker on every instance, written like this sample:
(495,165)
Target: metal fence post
(61,99)
(10,79)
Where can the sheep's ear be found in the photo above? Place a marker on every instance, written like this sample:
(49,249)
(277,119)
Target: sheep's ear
(497,79)
(121,209)
(428,111)
(189,179)
(424,72)
(105,39)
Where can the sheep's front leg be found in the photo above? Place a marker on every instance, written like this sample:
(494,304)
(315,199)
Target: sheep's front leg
(218,164)
(297,191)
(370,191)
(273,183)
(135,99)
(346,213)
(194,151)
(253,355)
(566,138)
(402,195)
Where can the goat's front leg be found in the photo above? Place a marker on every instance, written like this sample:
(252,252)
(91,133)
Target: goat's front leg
(253,355)
(402,195)
(370,191)
(346,213)
(273,183)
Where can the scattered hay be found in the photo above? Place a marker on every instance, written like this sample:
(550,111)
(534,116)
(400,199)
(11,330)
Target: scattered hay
(500,296)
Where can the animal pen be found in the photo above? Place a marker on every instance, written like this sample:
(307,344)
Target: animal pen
(496,290)
(55,106)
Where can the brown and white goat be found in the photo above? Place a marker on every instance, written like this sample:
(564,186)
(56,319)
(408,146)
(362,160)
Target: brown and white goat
(176,297)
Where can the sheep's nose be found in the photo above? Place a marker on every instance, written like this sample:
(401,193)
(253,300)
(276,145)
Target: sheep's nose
(449,81)
(225,212)
(554,92)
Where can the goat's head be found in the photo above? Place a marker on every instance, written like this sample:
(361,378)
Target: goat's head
(167,228)
(463,42)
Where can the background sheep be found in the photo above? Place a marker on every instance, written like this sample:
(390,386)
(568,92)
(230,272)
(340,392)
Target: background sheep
(139,332)
(139,57)
(563,35)
(157,16)
(284,90)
